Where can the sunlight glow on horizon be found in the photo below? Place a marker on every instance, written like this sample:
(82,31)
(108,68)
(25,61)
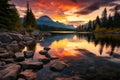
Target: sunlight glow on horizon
(63,11)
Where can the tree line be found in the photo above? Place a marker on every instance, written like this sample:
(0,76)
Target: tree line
(105,23)
(10,18)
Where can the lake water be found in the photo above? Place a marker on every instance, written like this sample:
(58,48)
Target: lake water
(67,46)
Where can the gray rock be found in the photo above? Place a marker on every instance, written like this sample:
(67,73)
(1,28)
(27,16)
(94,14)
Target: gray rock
(46,48)
(10,72)
(28,54)
(2,63)
(58,66)
(48,56)
(31,65)
(21,44)
(45,60)
(35,33)
(16,36)
(5,37)
(27,75)
(13,47)
(43,52)
(5,55)
(28,39)
(8,61)
(19,56)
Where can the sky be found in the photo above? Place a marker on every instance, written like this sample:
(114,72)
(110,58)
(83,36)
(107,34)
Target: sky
(73,12)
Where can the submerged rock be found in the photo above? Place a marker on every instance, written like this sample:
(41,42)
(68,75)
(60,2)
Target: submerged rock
(58,66)
(43,52)
(10,72)
(27,75)
(46,48)
(45,60)
(31,65)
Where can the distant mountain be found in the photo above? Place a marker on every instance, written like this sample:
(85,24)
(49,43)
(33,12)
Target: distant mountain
(45,20)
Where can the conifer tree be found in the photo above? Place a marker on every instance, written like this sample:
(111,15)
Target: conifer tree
(110,21)
(116,18)
(9,17)
(104,18)
(29,19)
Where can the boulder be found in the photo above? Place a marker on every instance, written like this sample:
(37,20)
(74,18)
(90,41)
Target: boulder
(31,65)
(5,37)
(21,44)
(35,33)
(16,36)
(5,55)
(8,61)
(27,75)
(54,57)
(48,56)
(10,72)
(13,47)
(46,48)
(28,54)
(19,56)
(45,60)
(43,52)
(2,63)
(27,39)
(58,66)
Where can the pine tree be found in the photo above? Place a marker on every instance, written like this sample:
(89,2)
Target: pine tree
(116,18)
(29,20)
(110,22)
(9,17)
(89,26)
(98,20)
(104,18)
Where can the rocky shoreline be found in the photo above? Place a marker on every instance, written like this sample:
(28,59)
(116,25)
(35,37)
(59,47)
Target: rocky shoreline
(15,63)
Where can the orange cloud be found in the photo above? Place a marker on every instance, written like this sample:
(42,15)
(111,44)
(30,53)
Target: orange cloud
(66,10)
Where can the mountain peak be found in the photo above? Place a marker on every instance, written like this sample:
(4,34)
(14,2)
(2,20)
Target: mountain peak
(45,18)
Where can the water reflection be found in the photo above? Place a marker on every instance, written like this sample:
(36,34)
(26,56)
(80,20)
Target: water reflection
(65,44)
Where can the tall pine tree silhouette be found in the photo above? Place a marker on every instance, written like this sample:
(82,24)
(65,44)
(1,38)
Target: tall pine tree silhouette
(29,19)
(9,17)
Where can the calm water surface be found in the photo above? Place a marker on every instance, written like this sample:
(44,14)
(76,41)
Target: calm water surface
(64,46)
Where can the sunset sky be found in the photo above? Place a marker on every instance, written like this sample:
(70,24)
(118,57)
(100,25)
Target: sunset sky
(68,11)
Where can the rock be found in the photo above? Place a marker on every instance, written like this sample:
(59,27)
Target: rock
(45,60)
(19,56)
(10,72)
(22,44)
(27,75)
(13,47)
(2,63)
(5,55)
(30,43)
(8,61)
(35,33)
(58,66)
(31,65)
(5,37)
(28,39)
(54,57)
(48,56)
(28,54)
(16,36)
(43,52)
(46,48)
